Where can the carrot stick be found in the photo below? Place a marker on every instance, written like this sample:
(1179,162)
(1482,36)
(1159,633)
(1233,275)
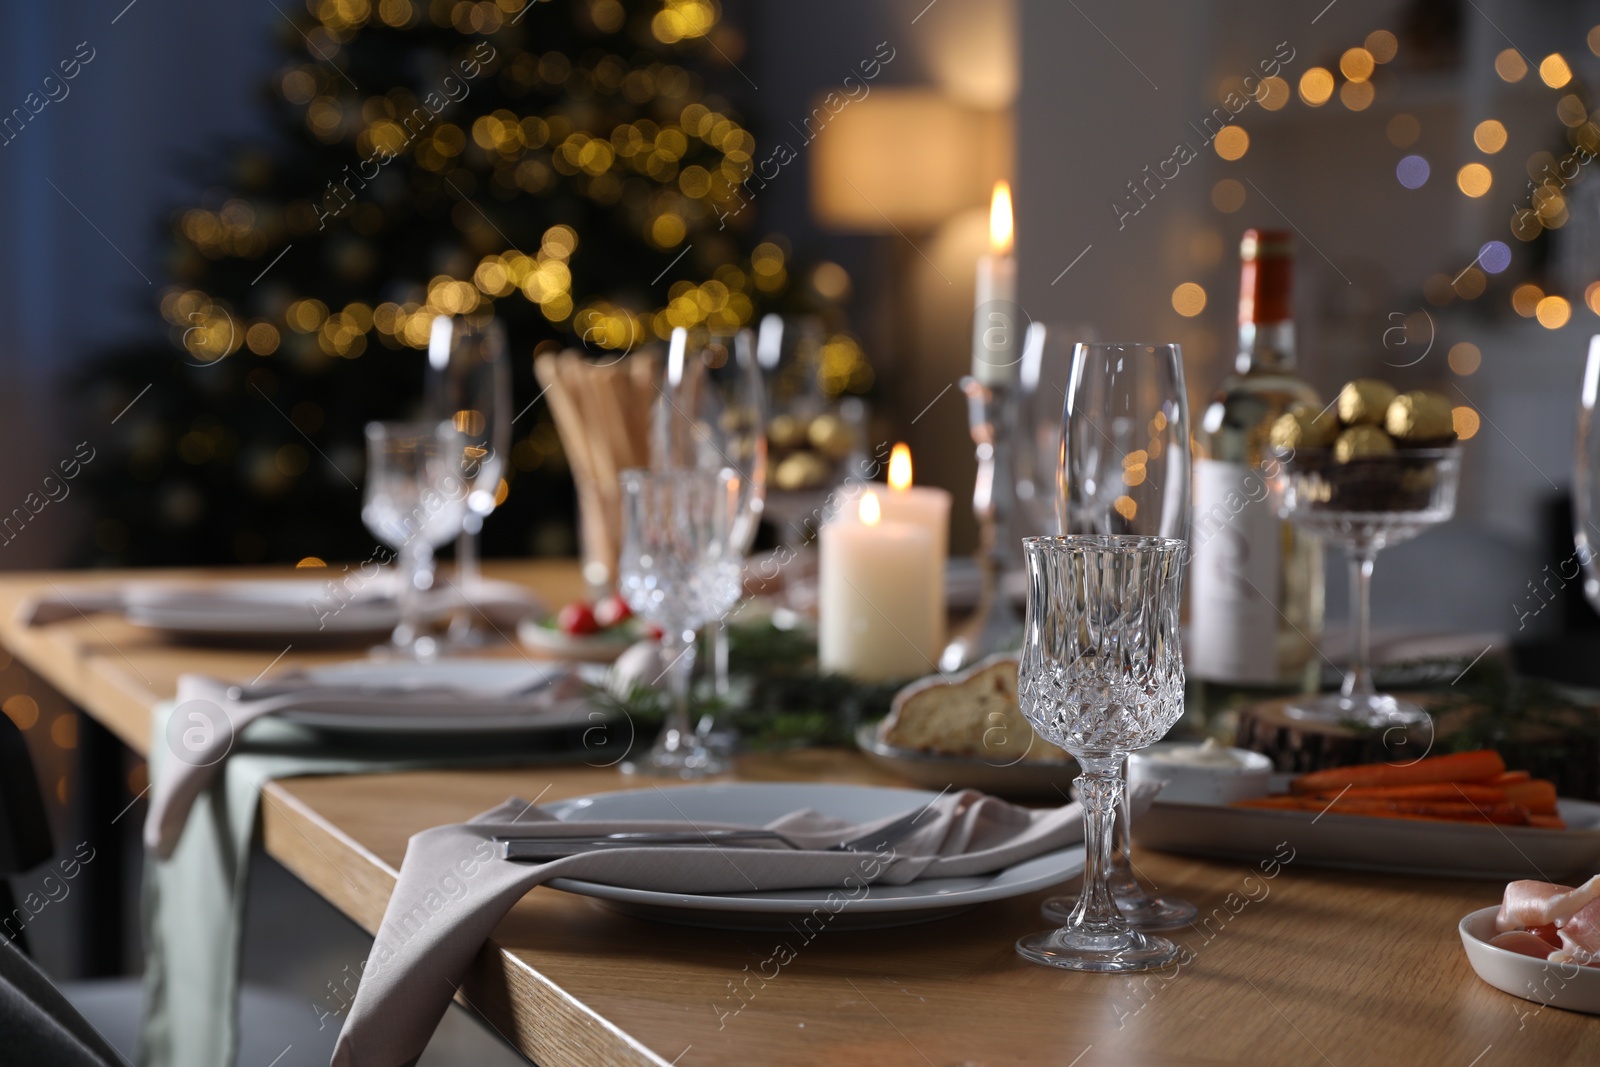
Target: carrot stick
(1446,791)
(1547,822)
(1508,777)
(1537,795)
(1464,811)
(1457,767)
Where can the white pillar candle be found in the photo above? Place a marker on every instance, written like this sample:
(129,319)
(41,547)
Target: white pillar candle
(927,508)
(995,346)
(878,616)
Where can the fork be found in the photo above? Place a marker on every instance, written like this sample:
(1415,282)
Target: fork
(532,847)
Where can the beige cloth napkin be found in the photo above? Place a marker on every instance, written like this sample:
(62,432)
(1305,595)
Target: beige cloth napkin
(205,723)
(502,604)
(454,889)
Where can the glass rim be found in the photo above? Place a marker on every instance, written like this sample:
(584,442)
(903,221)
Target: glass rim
(1066,543)
(1152,346)
(1400,452)
(415,429)
(641,475)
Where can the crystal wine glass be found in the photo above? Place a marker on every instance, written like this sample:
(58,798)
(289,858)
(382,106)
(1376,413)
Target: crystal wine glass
(415,500)
(1101,675)
(680,568)
(1364,504)
(1123,468)
(469,386)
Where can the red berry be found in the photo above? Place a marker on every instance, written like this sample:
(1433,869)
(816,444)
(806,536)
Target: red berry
(577,619)
(612,610)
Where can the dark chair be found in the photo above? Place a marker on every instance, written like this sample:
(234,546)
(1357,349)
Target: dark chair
(24,832)
(38,1027)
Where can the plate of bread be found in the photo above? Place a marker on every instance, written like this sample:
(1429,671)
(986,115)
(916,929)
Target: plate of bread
(967,731)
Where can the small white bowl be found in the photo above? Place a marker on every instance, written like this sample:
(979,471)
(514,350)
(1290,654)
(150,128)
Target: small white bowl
(1191,783)
(1560,985)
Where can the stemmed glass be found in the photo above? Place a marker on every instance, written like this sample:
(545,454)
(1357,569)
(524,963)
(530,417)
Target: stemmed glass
(1123,468)
(1364,504)
(469,386)
(711,413)
(680,568)
(415,501)
(1101,676)
(1585,472)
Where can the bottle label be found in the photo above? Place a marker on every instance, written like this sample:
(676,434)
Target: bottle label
(1234,561)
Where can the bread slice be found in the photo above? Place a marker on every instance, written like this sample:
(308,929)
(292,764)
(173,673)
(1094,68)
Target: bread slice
(973,713)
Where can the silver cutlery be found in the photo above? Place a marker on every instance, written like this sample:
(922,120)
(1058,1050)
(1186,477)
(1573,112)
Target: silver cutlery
(536,847)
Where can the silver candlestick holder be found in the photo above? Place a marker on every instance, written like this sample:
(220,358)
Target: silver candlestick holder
(993,411)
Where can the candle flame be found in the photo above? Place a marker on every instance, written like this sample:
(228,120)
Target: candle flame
(1000,228)
(871,510)
(900,467)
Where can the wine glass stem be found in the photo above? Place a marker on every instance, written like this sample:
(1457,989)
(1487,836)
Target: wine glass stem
(416,577)
(1121,874)
(678,646)
(1099,790)
(1358,680)
(467,555)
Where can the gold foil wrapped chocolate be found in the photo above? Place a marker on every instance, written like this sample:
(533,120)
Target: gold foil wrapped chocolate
(1364,402)
(802,470)
(1419,416)
(1303,426)
(1362,442)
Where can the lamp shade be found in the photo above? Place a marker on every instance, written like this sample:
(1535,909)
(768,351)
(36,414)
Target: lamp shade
(907,158)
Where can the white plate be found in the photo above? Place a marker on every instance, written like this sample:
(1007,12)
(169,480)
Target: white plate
(293,607)
(1452,850)
(481,705)
(602,647)
(1560,985)
(758,803)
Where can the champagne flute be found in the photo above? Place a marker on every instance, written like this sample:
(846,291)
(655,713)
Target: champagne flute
(1123,468)
(414,502)
(680,568)
(469,385)
(1101,675)
(710,414)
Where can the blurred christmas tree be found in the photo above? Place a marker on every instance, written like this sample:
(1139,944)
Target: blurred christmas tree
(562,165)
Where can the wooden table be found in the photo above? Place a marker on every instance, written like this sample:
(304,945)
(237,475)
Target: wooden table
(1309,967)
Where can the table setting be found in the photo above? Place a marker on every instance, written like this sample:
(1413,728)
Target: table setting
(668,630)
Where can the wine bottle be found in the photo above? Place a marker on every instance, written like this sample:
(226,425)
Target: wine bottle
(1255,581)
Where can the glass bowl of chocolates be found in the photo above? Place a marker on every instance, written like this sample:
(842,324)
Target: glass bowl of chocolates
(1373,469)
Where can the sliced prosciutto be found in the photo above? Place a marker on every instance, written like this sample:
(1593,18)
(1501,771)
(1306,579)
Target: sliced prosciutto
(1580,937)
(1529,904)
(1523,942)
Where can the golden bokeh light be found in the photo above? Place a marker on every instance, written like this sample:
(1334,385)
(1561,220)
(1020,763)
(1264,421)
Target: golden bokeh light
(1227,195)
(1464,358)
(64,730)
(1316,86)
(22,710)
(1357,64)
(1525,299)
(1403,130)
(1126,507)
(1470,283)
(1188,300)
(1510,66)
(1490,136)
(1437,290)
(1474,179)
(1382,44)
(1591,297)
(1571,112)
(1465,421)
(312,562)
(1357,96)
(1273,93)
(1594,40)
(1553,312)
(1231,142)
(1553,70)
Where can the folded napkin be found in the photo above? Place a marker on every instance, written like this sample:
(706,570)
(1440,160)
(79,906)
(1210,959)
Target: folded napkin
(207,720)
(454,889)
(501,604)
